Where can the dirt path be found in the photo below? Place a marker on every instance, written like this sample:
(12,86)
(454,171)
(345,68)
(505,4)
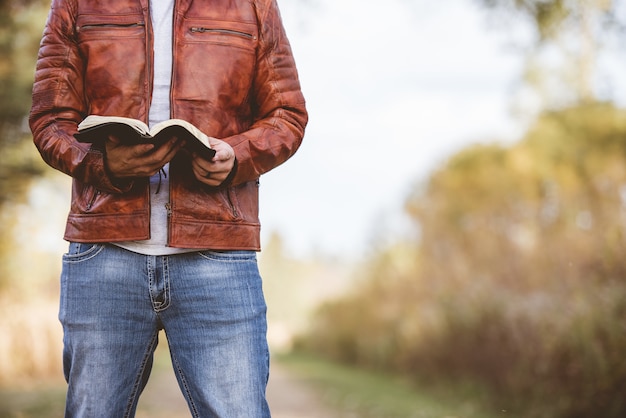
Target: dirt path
(288,397)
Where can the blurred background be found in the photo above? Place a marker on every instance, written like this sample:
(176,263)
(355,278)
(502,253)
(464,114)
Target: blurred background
(455,216)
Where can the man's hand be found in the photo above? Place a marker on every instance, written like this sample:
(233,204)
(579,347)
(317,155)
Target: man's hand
(213,172)
(143,160)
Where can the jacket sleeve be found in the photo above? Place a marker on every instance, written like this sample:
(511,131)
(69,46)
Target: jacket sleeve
(58,103)
(279,105)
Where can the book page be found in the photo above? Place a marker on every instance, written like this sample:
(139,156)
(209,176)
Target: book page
(202,137)
(95,120)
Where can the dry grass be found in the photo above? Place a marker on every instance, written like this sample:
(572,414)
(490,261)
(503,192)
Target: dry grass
(31,343)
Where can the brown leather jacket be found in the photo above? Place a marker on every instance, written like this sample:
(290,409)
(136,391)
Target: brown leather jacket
(233,77)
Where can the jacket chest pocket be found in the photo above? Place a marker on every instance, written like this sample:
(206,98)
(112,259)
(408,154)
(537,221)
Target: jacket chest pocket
(106,39)
(217,32)
(241,35)
(104,28)
(113,49)
(217,61)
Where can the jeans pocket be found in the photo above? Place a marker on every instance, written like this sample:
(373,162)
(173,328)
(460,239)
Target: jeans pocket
(229,256)
(78,252)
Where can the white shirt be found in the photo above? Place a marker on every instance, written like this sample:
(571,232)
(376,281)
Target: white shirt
(161,13)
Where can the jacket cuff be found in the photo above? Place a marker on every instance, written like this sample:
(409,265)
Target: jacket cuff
(233,172)
(108,181)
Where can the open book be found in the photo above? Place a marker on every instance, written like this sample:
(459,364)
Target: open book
(95,128)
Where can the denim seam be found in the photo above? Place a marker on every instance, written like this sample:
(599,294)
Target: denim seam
(185,387)
(134,395)
(229,256)
(166,286)
(73,258)
(156,305)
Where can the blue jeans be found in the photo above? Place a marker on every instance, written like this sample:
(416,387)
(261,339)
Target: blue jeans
(211,306)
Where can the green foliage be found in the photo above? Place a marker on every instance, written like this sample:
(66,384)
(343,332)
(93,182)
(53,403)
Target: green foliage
(40,403)
(21,29)
(21,26)
(518,280)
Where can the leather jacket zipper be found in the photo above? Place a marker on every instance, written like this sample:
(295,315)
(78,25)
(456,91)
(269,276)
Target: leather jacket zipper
(93,199)
(222,32)
(233,208)
(110,25)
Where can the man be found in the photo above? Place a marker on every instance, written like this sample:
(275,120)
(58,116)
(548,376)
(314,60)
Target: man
(161,238)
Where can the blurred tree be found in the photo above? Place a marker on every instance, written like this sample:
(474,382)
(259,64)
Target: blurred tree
(512,235)
(518,279)
(563,185)
(569,37)
(21,25)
